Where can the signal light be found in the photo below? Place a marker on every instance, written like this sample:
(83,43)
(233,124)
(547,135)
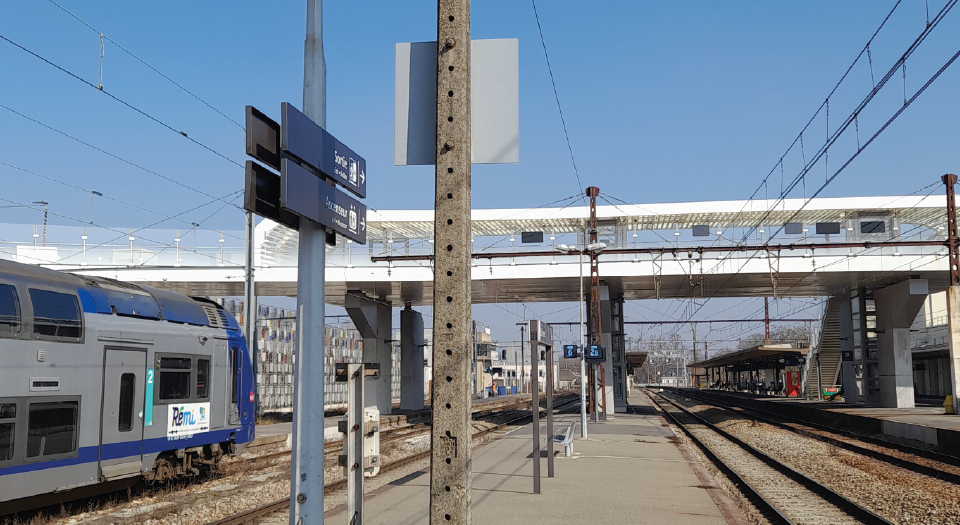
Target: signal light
(251,397)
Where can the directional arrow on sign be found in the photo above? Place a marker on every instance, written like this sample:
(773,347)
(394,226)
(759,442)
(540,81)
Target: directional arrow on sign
(363,224)
(363,177)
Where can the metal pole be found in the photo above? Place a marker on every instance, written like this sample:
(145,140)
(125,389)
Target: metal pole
(250,307)
(694,383)
(306,472)
(583,361)
(523,365)
(353,442)
(450,455)
(819,379)
(549,378)
(535,404)
(476,374)
(766,320)
(953,292)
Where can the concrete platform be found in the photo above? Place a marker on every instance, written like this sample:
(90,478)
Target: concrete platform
(629,471)
(927,425)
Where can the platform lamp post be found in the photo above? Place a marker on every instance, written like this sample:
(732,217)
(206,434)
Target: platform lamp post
(563,248)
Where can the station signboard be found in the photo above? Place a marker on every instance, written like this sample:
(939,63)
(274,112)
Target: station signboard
(302,138)
(594,353)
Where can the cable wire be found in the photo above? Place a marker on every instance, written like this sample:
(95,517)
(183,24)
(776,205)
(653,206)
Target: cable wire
(125,103)
(142,61)
(117,157)
(557,97)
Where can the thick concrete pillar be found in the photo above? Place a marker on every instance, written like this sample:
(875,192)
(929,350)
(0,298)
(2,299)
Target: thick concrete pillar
(373,320)
(897,307)
(953,340)
(606,340)
(411,359)
(851,392)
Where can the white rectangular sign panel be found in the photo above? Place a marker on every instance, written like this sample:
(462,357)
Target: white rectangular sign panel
(494,103)
(187,419)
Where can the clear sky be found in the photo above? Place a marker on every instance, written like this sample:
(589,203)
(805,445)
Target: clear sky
(664,101)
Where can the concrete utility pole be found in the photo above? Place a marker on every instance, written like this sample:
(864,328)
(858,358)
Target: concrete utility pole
(953,292)
(450,456)
(306,469)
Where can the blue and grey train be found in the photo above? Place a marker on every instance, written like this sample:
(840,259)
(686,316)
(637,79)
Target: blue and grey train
(104,382)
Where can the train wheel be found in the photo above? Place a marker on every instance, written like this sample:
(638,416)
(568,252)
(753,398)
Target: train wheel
(162,471)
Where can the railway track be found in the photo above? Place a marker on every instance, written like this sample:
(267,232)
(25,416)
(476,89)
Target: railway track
(250,516)
(781,494)
(922,461)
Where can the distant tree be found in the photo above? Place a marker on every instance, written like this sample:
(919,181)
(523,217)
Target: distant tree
(795,334)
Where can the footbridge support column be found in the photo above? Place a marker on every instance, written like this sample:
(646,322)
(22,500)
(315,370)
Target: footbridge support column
(851,391)
(897,307)
(373,320)
(411,359)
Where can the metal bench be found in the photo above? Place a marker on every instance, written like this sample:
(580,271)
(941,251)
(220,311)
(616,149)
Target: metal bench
(566,439)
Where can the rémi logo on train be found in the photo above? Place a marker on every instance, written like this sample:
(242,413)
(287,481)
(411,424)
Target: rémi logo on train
(188,419)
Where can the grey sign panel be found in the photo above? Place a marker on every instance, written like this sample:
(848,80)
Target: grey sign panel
(261,195)
(872,227)
(541,332)
(262,138)
(494,102)
(531,237)
(305,140)
(828,228)
(793,228)
(310,197)
(701,230)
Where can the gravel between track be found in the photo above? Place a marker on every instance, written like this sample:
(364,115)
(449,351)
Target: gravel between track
(897,494)
(793,500)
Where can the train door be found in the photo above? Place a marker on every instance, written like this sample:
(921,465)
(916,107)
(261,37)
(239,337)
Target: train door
(220,399)
(121,418)
(233,385)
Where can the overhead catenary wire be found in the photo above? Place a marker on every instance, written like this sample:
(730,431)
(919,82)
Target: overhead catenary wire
(142,61)
(106,196)
(109,154)
(556,96)
(121,101)
(852,118)
(87,223)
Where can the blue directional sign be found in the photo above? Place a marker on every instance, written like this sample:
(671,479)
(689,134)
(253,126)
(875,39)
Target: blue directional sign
(571,351)
(304,139)
(311,197)
(594,353)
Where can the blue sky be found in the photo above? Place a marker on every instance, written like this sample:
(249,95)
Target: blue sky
(664,101)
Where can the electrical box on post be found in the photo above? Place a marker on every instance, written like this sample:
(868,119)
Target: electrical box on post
(371,441)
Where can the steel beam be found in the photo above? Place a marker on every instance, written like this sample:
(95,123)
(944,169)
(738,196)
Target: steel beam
(450,457)
(690,251)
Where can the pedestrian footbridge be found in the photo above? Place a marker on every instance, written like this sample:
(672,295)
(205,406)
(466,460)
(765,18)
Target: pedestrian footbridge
(692,249)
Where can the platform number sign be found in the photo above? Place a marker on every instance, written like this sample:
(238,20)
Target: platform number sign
(594,353)
(148,400)
(571,351)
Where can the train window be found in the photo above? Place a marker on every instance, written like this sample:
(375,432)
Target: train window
(52,428)
(234,375)
(203,375)
(128,384)
(9,309)
(55,314)
(173,378)
(8,417)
